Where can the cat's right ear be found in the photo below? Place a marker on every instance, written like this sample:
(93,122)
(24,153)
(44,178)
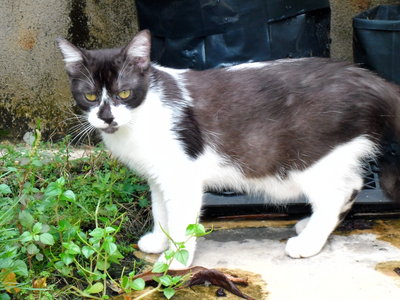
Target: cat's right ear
(138,50)
(72,54)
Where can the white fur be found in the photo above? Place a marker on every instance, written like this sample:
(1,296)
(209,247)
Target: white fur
(146,143)
(70,53)
(139,46)
(260,65)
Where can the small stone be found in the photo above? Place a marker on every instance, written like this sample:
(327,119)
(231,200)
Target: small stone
(220,293)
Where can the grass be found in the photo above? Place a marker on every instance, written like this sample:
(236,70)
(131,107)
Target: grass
(67,225)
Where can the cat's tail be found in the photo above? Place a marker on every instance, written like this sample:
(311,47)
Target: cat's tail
(389,167)
(389,163)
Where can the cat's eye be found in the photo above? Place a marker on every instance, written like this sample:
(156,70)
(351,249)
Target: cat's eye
(124,94)
(91,97)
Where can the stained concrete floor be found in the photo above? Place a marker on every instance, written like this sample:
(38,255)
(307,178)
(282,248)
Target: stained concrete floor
(347,268)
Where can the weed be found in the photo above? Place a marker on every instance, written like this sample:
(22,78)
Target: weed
(63,217)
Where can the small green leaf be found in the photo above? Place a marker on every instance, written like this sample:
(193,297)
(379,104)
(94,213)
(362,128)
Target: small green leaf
(143,202)
(5,189)
(101,265)
(46,238)
(68,196)
(110,247)
(125,282)
(138,284)
(87,251)
(32,249)
(176,279)
(39,257)
(36,163)
(20,268)
(72,248)
(4,296)
(60,181)
(169,293)
(169,254)
(66,258)
(182,256)
(53,190)
(195,230)
(37,228)
(159,267)
(165,280)
(26,219)
(97,233)
(109,229)
(95,288)
(26,237)
(64,225)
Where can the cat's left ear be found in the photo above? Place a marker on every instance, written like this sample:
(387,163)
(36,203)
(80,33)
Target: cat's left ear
(139,50)
(72,54)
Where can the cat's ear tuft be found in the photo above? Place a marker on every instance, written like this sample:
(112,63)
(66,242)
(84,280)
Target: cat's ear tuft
(71,53)
(139,50)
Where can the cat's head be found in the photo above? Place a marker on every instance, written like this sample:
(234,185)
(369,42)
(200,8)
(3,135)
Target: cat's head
(109,83)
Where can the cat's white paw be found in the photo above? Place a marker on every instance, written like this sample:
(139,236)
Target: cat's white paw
(153,243)
(299,227)
(300,247)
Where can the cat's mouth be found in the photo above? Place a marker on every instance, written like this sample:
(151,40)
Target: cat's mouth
(109,129)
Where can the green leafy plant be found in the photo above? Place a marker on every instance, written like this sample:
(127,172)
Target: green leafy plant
(167,284)
(61,220)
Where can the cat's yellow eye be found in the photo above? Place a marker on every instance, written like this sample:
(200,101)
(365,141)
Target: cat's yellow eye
(91,97)
(124,94)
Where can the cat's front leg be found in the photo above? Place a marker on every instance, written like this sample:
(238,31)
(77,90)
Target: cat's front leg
(183,200)
(156,241)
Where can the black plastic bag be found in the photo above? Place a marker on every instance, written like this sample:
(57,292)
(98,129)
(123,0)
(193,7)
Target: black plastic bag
(376,40)
(202,34)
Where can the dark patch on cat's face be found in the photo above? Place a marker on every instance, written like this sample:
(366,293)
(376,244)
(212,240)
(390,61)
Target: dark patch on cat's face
(108,72)
(108,69)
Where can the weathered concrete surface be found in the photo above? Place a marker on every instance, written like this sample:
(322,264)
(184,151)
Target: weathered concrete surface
(33,84)
(341,24)
(349,267)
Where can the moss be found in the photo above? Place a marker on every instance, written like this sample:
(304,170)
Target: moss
(389,268)
(385,230)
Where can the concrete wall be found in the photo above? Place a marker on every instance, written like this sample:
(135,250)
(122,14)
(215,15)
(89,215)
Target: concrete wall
(341,30)
(33,84)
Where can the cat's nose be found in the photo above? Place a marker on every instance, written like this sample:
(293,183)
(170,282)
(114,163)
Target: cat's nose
(106,115)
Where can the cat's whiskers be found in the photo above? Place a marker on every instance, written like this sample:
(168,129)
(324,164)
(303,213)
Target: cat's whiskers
(85,130)
(120,73)
(89,77)
(89,80)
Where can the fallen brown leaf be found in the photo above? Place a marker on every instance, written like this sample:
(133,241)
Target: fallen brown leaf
(39,283)
(217,278)
(10,282)
(200,275)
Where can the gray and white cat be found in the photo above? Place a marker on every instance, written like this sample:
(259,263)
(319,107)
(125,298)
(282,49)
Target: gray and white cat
(285,128)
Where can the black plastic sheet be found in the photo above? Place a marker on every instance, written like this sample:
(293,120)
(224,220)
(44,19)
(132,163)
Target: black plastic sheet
(376,40)
(202,34)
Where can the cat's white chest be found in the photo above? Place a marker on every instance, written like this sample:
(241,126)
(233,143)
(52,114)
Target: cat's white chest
(147,144)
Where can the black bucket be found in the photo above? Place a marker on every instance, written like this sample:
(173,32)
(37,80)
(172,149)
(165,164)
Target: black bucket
(202,34)
(376,41)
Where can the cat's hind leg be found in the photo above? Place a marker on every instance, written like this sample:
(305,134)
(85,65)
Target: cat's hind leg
(314,231)
(331,186)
